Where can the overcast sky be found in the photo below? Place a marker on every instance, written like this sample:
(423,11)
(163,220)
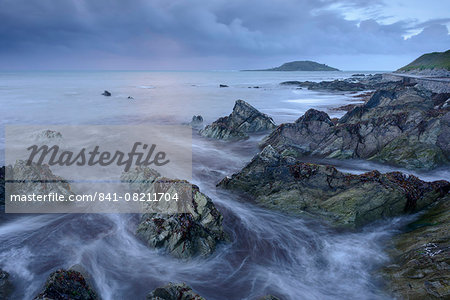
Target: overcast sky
(219,34)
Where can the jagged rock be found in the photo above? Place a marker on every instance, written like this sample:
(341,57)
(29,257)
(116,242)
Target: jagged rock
(223,85)
(174,291)
(5,285)
(278,181)
(194,233)
(243,120)
(399,126)
(67,284)
(420,267)
(106,93)
(197,121)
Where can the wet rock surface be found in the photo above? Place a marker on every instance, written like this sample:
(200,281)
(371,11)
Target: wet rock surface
(404,126)
(278,181)
(183,235)
(67,284)
(243,120)
(174,291)
(5,285)
(420,267)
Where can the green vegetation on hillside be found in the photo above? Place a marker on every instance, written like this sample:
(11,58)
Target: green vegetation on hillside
(434,60)
(304,65)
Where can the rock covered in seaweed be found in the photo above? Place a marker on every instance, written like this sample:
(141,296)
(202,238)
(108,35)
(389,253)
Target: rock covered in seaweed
(421,257)
(67,284)
(193,233)
(174,291)
(243,120)
(404,126)
(279,181)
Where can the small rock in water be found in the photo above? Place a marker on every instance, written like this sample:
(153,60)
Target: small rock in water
(129,97)
(67,284)
(106,93)
(223,85)
(197,121)
(174,291)
(49,134)
(358,75)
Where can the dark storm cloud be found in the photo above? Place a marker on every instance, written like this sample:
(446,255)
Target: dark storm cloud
(161,29)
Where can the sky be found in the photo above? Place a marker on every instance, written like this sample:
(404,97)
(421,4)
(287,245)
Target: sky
(218,34)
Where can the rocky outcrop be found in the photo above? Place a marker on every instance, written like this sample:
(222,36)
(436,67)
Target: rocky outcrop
(404,126)
(67,284)
(34,179)
(193,233)
(174,291)
(420,267)
(353,84)
(5,285)
(243,120)
(278,181)
(106,93)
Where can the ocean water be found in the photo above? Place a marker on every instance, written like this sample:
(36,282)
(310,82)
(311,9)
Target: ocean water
(269,253)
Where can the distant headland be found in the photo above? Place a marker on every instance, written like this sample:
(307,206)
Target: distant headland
(303,65)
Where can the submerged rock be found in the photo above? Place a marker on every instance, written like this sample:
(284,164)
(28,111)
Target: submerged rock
(243,120)
(5,285)
(67,284)
(278,181)
(421,257)
(174,291)
(106,93)
(193,233)
(400,126)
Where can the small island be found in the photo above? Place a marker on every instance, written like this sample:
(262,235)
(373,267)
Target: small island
(303,65)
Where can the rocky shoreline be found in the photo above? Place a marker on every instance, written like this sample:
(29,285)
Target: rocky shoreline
(400,124)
